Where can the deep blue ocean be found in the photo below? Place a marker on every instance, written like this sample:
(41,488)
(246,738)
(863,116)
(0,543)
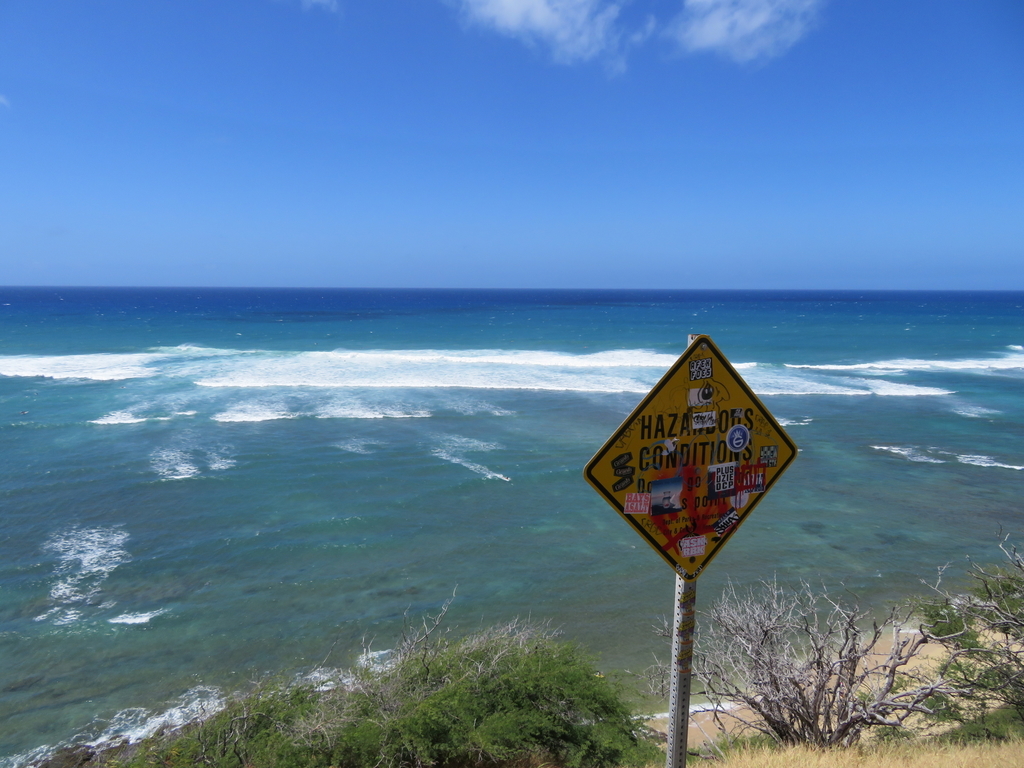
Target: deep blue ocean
(202,486)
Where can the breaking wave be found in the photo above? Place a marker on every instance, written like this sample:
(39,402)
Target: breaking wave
(630,371)
(1006,361)
(931,456)
(137,618)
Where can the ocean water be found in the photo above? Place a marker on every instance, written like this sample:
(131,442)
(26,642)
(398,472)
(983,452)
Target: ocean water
(199,487)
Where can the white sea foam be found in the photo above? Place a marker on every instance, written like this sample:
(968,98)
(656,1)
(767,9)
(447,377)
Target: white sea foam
(612,371)
(808,388)
(218,461)
(323,678)
(1008,361)
(775,380)
(173,464)
(331,409)
(254,412)
(66,616)
(474,407)
(132,417)
(973,411)
(32,757)
(1015,347)
(377,661)
(792,380)
(119,417)
(914,454)
(198,350)
(136,724)
(985,461)
(356,446)
(85,558)
(889,388)
(350,410)
(626,358)
(474,369)
(632,371)
(454,447)
(98,367)
(795,422)
(136,618)
(179,463)
(909,452)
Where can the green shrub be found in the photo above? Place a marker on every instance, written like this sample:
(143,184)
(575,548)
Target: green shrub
(507,696)
(1002,724)
(501,696)
(983,629)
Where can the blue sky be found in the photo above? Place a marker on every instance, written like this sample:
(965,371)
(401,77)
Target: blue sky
(516,143)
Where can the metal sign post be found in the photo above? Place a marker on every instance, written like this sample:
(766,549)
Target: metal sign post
(682,668)
(683,626)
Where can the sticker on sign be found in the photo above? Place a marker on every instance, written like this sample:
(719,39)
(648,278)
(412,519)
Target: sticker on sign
(692,546)
(705,420)
(638,504)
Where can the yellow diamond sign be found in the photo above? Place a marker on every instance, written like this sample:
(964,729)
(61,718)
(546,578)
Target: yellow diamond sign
(693,460)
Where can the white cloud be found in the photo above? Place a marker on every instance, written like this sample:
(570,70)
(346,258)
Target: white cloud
(575,30)
(327,5)
(743,30)
(641,35)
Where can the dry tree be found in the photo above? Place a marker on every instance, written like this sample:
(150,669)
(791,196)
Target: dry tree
(803,667)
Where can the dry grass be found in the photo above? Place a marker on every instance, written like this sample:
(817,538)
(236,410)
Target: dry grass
(1008,754)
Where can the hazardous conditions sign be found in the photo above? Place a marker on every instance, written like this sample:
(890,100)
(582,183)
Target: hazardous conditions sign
(692,461)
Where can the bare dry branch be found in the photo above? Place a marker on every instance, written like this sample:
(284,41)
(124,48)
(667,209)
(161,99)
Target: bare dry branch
(799,662)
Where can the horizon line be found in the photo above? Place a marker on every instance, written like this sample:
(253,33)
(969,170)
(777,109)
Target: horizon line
(502,288)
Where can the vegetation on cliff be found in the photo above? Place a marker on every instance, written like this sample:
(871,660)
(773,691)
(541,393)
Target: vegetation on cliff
(510,695)
(795,667)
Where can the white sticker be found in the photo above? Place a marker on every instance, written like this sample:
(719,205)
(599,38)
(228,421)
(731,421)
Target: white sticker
(705,419)
(701,369)
(721,480)
(693,546)
(726,521)
(638,504)
(700,395)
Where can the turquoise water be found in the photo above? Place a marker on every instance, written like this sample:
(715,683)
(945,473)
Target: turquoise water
(200,486)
